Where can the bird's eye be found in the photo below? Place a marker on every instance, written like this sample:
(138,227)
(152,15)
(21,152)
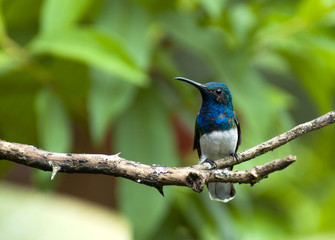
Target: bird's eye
(218,91)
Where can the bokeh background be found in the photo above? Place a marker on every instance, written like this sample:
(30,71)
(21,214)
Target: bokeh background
(97,77)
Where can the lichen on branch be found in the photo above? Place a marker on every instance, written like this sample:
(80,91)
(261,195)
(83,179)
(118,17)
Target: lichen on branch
(158,176)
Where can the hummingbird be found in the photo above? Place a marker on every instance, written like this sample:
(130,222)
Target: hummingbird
(217,132)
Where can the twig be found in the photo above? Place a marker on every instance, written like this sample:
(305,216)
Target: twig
(157,176)
(277,141)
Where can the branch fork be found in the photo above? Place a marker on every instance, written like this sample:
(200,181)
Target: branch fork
(195,177)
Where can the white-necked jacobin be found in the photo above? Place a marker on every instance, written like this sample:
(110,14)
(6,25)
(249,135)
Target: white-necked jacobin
(217,132)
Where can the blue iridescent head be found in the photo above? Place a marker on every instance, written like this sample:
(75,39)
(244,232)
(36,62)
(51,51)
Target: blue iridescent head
(216,111)
(212,92)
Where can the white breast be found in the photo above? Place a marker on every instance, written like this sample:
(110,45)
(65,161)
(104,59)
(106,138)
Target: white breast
(218,144)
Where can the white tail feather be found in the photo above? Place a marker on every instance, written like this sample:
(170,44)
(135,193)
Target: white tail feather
(220,191)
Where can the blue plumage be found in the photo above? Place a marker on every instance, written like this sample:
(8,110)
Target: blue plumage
(217,109)
(217,131)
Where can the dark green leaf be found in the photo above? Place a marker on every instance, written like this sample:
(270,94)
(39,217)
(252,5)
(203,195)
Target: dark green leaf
(144,134)
(108,98)
(53,123)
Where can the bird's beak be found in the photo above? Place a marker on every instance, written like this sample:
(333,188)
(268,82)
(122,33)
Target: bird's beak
(201,87)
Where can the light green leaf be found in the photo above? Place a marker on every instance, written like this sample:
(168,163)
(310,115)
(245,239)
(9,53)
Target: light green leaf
(131,23)
(242,19)
(222,217)
(61,14)
(7,63)
(54,132)
(317,57)
(210,44)
(52,216)
(108,98)
(271,61)
(53,122)
(312,11)
(2,24)
(214,7)
(91,47)
(144,135)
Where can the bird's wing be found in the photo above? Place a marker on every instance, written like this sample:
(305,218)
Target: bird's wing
(238,131)
(196,143)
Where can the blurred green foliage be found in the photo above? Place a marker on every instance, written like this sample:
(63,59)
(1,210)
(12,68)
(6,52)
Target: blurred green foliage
(109,65)
(40,215)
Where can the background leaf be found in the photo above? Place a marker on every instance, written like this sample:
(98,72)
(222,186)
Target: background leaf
(109,97)
(97,77)
(53,123)
(61,14)
(144,134)
(131,23)
(54,130)
(92,47)
(6,63)
(52,216)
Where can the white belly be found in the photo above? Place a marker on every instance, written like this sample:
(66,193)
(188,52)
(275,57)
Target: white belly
(218,144)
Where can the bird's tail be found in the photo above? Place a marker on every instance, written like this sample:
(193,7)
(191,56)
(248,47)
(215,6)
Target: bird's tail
(220,191)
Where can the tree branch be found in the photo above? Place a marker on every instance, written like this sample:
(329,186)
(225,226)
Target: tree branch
(158,176)
(277,141)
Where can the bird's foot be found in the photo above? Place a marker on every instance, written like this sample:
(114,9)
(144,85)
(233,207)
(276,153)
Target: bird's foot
(235,156)
(211,163)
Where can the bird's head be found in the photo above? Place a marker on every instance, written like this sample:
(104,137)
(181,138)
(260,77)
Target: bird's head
(212,91)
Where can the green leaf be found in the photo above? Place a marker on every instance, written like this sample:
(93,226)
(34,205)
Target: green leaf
(91,47)
(144,135)
(242,19)
(131,23)
(61,14)
(311,10)
(271,61)
(17,98)
(108,98)
(316,53)
(53,123)
(195,215)
(18,17)
(7,63)
(216,44)
(53,126)
(222,217)
(2,24)
(68,76)
(214,7)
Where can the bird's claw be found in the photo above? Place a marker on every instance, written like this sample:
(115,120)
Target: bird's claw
(235,156)
(211,163)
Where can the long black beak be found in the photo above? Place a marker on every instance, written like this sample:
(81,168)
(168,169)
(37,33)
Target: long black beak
(201,87)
